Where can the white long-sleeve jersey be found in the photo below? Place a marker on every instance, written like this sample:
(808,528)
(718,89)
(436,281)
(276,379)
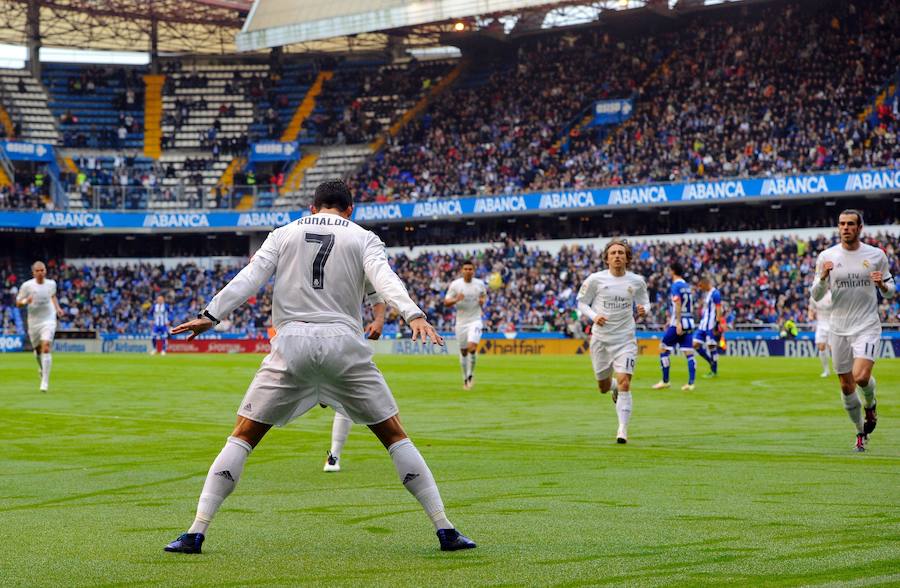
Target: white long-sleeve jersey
(321,264)
(854,304)
(615,298)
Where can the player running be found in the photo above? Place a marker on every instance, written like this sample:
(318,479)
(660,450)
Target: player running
(820,311)
(39,295)
(340,427)
(320,264)
(468,294)
(608,298)
(852,271)
(681,325)
(706,343)
(160,333)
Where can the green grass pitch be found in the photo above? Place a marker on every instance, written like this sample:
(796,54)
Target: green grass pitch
(747,481)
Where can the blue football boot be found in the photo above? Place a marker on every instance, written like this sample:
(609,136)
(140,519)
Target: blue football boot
(186,543)
(453,540)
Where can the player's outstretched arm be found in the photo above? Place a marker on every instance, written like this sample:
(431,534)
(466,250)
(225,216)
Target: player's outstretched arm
(197,326)
(247,283)
(386,282)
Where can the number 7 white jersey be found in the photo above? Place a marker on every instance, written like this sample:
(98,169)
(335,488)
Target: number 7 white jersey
(321,263)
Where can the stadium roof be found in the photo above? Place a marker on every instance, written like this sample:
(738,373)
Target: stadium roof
(181,26)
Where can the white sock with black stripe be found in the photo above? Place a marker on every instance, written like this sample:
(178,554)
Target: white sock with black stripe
(220,481)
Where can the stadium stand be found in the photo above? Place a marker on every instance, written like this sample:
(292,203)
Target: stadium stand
(97,107)
(766,95)
(26,102)
(763,281)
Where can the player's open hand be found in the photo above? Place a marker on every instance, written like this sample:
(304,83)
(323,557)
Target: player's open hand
(877,279)
(60,313)
(196,327)
(600,320)
(642,312)
(679,330)
(826,269)
(373,330)
(422,329)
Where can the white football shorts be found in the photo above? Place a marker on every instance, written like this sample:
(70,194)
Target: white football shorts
(314,363)
(844,349)
(43,331)
(613,357)
(823,330)
(469,333)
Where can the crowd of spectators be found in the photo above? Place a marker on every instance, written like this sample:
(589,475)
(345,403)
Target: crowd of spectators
(357,104)
(762,283)
(128,100)
(734,93)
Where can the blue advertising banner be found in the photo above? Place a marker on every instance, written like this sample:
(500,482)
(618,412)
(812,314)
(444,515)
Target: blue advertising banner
(840,184)
(612,112)
(22,151)
(274,151)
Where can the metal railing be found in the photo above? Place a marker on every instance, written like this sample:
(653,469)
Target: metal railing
(177,197)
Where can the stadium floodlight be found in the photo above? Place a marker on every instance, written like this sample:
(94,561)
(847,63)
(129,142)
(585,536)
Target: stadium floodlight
(459,26)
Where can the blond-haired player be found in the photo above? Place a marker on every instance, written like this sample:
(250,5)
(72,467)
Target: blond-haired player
(609,299)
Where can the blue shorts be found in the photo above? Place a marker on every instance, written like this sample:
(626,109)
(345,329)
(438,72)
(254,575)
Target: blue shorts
(160,332)
(672,339)
(704,337)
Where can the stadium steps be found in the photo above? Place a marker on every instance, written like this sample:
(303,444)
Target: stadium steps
(295,178)
(246,202)
(306,107)
(30,108)
(70,165)
(153,108)
(226,180)
(421,105)
(887,91)
(337,161)
(7,123)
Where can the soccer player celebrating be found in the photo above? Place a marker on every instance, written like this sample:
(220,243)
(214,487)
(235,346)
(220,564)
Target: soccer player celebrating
(160,333)
(320,264)
(706,344)
(852,271)
(607,298)
(468,294)
(820,311)
(39,295)
(681,325)
(340,427)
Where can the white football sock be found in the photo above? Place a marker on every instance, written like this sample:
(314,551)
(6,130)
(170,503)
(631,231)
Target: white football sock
(613,384)
(823,357)
(623,409)
(37,357)
(464,364)
(417,479)
(471,367)
(854,408)
(340,429)
(220,481)
(46,364)
(869,392)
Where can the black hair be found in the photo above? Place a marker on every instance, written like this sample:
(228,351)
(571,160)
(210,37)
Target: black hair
(859,218)
(677,268)
(333,194)
(467,261)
